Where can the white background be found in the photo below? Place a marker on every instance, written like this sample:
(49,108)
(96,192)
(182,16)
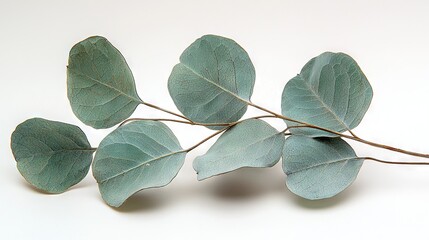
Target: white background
(389,39)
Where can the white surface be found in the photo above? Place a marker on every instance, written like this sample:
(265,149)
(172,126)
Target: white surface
(389,39)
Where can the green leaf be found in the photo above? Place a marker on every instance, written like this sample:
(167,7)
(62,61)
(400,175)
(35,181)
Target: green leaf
(213,82)
(331,92)
(252,143)
(136,156)
(100,85)
(318,168)
(51,156)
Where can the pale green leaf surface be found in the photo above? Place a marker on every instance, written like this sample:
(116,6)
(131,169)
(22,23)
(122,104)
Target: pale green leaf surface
(100,85)
(331,92)
(251,143)
(51,156)
(319,168)
(136,156)
(213,82)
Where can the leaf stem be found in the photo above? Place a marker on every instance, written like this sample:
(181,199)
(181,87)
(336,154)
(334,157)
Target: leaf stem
(352,133)
(390,148)
(207,138)
(353,137)
(192,123)
(227,126)
(230,125)
(390,162)
(172,120)
(274,115)
(165,110)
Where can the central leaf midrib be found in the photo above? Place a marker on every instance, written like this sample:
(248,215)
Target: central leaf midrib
(140,165)
(324,105)
(215,84)
(321,164)
(106,85)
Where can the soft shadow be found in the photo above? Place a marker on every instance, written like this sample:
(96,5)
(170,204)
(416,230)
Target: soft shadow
(245,183)
(142,202)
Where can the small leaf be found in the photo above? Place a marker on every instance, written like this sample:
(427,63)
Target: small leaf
(136,156)
(52,156)
(319,168)
(213,82)
(100,85)
(252,143)
(331,92)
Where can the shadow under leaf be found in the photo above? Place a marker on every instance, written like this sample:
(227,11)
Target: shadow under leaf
(143,202)
(245,183)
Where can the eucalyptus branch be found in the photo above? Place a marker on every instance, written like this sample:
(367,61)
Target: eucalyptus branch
(213,80)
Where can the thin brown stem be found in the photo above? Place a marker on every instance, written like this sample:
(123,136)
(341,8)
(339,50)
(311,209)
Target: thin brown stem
(165,110)
(352,133)
(152,119)
(353,137)
(387,147)
(230,125)
(227,126)
(390,162)
(192,123)
(207,138)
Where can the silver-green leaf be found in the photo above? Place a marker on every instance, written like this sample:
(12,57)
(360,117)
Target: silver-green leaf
(213,82)
(251,143)
(331,92)
(100,85)
(318,168)
(51,156)
(136,156)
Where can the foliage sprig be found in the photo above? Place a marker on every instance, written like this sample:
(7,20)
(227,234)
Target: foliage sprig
(211,86)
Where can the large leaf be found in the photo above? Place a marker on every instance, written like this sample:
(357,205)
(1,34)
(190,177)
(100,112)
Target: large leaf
(319,168)
(139,155)
(52,156)
(331,92)
(213,81)
(252,143)
(101,87)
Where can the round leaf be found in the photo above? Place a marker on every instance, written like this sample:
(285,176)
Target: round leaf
(331,92)
(213,82)
(318,168)
(136,156)
(100,85)
(252,143)
(52,156)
